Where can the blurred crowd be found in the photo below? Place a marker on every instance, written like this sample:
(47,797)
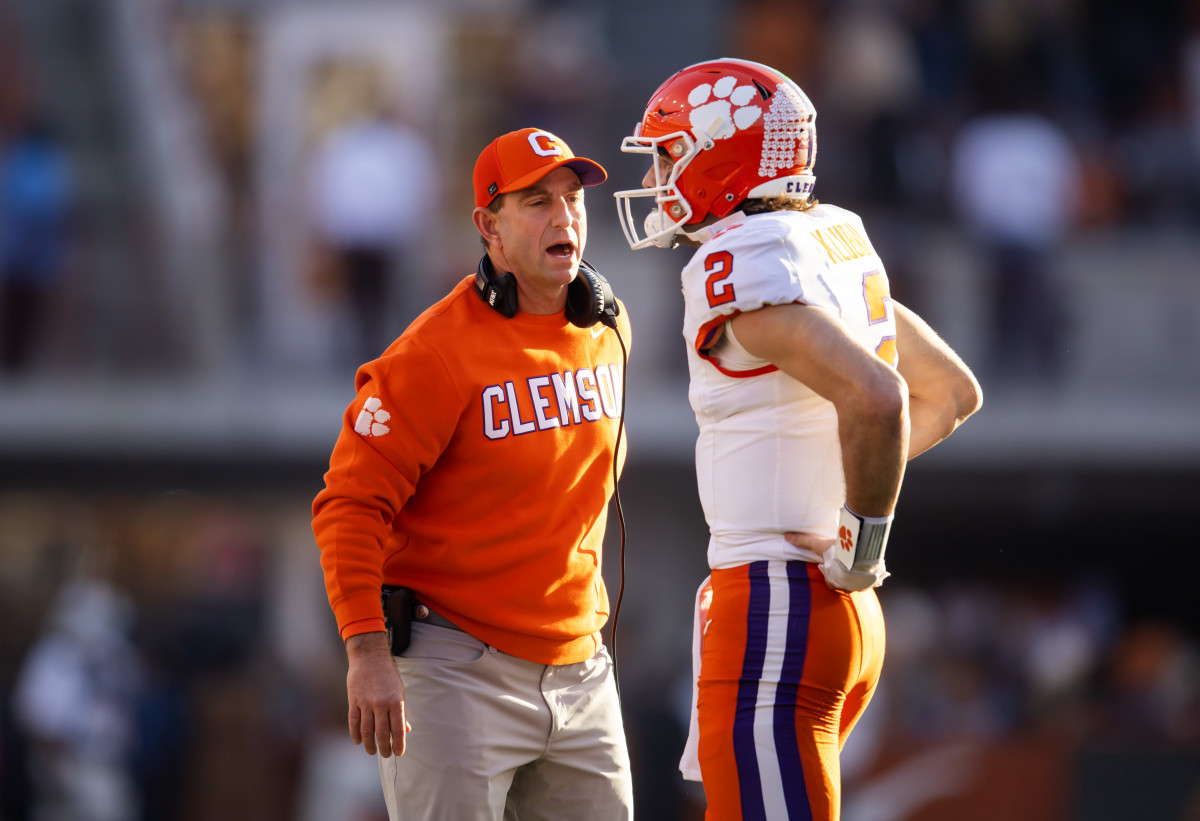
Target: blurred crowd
(1021,125)
(985,676)
(173,657)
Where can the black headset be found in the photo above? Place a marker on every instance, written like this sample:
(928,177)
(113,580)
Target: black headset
(589,296)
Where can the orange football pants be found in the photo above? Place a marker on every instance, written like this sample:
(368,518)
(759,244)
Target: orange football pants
(788,667)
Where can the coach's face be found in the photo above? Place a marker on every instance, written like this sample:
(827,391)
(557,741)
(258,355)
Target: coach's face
(539,234)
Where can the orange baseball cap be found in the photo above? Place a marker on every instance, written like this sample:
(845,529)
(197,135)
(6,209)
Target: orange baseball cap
(518,159)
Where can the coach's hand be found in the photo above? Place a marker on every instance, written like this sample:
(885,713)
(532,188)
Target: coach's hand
(376,694)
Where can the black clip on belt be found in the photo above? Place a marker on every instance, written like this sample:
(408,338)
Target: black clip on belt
(400,609)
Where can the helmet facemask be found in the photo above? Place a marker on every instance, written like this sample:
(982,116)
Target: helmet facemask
(671,210)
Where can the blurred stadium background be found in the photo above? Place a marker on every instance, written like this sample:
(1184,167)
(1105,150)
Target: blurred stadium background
(166,416)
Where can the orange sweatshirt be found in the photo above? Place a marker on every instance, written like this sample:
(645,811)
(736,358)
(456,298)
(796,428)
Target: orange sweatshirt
(475,466)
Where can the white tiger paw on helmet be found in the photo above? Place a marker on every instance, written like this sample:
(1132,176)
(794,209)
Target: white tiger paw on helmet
(731,107)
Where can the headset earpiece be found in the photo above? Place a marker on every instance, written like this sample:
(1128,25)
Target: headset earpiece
(498,291)
(590,299)
(589,296)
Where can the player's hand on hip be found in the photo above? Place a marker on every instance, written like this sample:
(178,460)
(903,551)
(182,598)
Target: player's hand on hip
(375,693)
(837,575)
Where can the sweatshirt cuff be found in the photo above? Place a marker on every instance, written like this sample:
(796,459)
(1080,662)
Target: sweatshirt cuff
(354,628)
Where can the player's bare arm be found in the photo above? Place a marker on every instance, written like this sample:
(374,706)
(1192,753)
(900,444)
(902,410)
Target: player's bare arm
(376,695)
(942,391)
(811,345)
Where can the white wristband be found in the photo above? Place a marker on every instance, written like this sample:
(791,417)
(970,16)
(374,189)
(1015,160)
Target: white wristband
(861,540)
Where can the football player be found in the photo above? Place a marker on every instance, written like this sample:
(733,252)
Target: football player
(811,387)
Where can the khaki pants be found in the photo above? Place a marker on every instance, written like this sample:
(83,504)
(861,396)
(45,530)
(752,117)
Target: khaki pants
(497,737)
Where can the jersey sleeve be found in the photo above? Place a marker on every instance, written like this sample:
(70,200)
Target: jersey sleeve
(402,418)
(750,266)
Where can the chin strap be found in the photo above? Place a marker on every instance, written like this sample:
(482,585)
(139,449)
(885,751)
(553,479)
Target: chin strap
(655,226)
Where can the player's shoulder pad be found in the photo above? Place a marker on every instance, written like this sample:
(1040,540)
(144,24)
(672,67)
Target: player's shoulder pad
(769,247)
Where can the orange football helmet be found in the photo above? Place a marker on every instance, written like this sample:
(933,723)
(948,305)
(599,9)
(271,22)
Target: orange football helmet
(718,132)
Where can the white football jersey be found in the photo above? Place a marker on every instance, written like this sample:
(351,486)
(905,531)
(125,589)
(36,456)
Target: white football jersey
(768,460)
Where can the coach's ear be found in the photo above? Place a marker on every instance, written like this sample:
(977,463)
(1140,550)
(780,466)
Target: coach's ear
(488,225)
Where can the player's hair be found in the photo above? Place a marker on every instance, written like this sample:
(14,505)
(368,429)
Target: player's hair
(780,203)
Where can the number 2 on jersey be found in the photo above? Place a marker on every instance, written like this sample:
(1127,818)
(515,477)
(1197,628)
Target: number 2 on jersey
(719,267)
(877,296)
